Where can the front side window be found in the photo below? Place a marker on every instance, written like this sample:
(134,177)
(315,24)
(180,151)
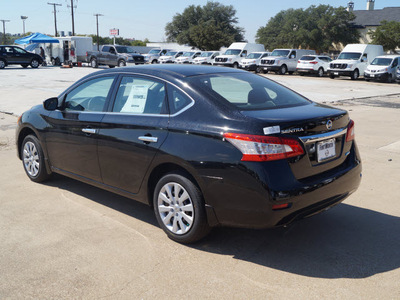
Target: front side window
(246,91)
(90,96)
(137,95)
(19,50)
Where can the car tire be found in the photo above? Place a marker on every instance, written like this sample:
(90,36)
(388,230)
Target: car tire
(320,72)
(355,74)
(283,70)
(2,64)
(35,63)
(154,61)
(331,76)
(235,65)
(301,74)
(259,70)
(291,72)
(390,79)
(179,208)
(121,63)
(33,159)
(111,66)
(24,66)
(93,63)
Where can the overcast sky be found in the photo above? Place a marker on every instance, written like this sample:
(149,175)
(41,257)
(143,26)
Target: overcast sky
(144,19)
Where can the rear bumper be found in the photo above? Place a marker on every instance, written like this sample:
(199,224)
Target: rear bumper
(246,197)
(309,71)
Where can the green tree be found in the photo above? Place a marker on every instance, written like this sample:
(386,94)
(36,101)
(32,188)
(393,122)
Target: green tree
(208,28)
(317,27)
(387,35)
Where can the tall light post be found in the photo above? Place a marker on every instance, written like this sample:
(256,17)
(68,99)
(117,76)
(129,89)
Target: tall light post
(23,18)
(97,25)
(72,14)
(55,16)
(4,30)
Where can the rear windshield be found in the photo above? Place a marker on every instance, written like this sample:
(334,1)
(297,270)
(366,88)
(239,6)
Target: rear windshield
(381,62)
(246,91)
(307,58)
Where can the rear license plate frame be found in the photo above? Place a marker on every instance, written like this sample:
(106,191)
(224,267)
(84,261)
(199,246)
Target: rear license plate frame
(326,150)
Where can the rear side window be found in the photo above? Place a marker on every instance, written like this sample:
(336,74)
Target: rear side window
(247,91)
(177,99)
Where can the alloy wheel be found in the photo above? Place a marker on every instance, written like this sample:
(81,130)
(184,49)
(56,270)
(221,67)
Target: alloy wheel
(31,159)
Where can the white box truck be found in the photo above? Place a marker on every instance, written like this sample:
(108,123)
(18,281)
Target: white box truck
(236,52)
(353,60)
(282,61)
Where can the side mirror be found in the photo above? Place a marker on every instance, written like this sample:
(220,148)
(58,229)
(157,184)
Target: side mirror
(51,104)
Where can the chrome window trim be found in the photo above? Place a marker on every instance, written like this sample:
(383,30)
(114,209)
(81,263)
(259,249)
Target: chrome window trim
(323,136)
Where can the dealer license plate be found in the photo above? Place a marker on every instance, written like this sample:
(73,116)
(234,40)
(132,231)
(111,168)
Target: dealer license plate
(335,73)
(372,75)
(326,150)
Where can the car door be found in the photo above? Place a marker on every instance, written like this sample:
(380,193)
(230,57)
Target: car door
(71,136)
(22,56)
(132,132)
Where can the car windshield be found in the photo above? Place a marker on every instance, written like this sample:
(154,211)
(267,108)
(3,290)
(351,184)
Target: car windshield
(206,54)
(170,53)
(188,54)
(154,51)
(254,55)
(246,91)
(349,55)
(381,62)
(307,58)
(232,52)
(121,49)
(280,53)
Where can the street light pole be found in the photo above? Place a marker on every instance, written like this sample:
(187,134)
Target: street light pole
(55,16)
(4,30)
(72,13)
(97,25)
(23,18)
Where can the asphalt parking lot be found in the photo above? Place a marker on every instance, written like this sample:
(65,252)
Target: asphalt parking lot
(68,240)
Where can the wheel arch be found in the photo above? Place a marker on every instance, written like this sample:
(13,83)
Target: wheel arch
(158,172)
(21,136)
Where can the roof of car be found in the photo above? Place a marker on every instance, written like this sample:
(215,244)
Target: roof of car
(176,70)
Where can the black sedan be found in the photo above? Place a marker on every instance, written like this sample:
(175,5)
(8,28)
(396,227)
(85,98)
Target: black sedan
(13,55)
(204,146)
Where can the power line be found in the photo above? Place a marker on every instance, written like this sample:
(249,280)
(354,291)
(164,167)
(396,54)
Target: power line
(4,30)
(55,16)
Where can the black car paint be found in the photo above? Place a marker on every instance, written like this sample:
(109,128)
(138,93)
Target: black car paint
(236,193)
(24,58)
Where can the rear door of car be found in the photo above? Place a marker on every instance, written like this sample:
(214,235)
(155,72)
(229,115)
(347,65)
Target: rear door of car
(71,137)
(132,131)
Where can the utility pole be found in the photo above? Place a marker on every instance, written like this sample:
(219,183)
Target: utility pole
(97,25)
(55,16)
(23,18)
(72,14)
(4,30)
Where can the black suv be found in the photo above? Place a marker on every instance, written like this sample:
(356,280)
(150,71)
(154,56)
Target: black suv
(13,55)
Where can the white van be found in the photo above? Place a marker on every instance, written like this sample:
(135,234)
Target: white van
(353,60)
(282,61)
(206,58)
(169,57)
(187,57)
(154,54)
(253,60)
(383,68)
(236,52)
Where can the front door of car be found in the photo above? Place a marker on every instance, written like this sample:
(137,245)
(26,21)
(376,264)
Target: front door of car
(71,138)
(132,132)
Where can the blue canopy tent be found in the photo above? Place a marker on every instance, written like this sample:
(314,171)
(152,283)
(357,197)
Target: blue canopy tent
(36,38)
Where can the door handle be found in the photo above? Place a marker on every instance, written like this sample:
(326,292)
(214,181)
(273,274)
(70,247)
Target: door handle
(89,130)
(148,139)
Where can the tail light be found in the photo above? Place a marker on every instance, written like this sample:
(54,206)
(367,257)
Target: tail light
(298,61)
(313,62)
(264,148)
(350,131)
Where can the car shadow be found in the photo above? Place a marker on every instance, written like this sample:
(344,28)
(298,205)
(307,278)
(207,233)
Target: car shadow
(345,242)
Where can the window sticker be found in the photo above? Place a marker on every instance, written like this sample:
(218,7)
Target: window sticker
(136,100)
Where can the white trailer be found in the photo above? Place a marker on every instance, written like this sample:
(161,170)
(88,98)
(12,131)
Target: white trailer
(71,49)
